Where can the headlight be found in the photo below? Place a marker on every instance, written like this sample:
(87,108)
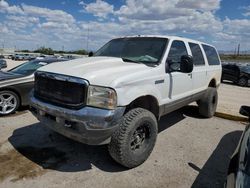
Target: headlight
(101,97)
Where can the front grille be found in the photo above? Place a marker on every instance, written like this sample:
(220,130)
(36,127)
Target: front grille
(60,90)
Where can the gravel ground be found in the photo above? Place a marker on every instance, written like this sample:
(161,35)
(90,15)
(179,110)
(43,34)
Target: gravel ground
(190,151)
(232,97)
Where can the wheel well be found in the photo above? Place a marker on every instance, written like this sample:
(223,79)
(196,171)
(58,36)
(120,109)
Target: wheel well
(147,102)
(212,83)
(14,91)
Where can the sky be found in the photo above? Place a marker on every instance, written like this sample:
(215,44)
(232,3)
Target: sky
(88,24)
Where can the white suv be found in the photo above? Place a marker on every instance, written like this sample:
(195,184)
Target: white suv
(118,95)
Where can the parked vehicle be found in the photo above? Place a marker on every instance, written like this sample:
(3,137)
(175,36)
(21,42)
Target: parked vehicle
(118,95)
(239,167)
(16,84)
(10,56)
(3,64)
(42,57)
(23,57)
(237,74)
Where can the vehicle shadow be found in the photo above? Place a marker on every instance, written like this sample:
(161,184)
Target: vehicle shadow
(214,172)
(54,151)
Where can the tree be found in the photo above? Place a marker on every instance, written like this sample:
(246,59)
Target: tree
(46,51)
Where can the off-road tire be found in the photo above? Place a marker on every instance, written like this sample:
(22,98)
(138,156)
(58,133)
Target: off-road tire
(121,145)
(208,103)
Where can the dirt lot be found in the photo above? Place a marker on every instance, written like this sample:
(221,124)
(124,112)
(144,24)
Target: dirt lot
(190,151)
(232,97)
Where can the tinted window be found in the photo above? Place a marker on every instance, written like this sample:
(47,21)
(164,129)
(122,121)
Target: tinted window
(28,68)
(197,54)
(211,54)
(177,50)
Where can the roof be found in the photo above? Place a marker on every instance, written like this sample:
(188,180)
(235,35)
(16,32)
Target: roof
(168,37)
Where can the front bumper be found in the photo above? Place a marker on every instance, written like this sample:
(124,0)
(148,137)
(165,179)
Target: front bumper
(88,125)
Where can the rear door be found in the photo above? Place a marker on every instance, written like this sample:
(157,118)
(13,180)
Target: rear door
(200,70)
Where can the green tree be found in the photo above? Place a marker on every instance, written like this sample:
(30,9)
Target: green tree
(46,51)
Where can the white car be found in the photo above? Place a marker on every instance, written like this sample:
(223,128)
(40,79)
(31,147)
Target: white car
(118,95)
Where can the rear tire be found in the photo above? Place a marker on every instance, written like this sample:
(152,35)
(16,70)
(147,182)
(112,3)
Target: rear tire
(135,138)
(208,103)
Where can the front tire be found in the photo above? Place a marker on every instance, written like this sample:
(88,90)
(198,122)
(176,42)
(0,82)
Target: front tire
(208,103)
(135,138)
(9,102)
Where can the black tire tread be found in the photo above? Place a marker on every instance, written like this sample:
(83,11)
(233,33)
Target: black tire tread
(204,105)
(118,138)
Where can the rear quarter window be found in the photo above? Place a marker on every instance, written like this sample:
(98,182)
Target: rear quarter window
(211,54)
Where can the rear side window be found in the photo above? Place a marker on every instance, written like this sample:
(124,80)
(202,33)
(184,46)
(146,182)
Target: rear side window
(197,54)
(211,54)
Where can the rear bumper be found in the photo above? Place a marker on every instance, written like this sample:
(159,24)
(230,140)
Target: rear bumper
(88,125)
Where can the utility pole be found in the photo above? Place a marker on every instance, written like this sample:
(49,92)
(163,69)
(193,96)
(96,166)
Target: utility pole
(88,39)
(238,53)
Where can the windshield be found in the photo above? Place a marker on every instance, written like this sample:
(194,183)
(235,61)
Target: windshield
(245,69)
(138,49)
(28,68)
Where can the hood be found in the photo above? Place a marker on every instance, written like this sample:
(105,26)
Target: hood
(8,76)
(97,70)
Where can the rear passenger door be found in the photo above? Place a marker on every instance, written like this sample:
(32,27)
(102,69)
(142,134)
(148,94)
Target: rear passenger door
(180,83)
(200,70)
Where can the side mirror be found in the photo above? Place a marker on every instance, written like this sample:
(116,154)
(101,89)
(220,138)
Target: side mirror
(245,111)
(91,54)
(186,65)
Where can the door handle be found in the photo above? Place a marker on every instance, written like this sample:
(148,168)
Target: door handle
(190,74)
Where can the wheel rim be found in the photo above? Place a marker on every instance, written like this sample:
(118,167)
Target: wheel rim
(242,82)
(8,103)
(140,137)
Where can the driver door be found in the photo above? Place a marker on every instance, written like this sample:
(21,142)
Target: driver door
(180,83)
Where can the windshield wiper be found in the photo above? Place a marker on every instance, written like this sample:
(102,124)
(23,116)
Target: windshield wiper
(151,64)
(130,60)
